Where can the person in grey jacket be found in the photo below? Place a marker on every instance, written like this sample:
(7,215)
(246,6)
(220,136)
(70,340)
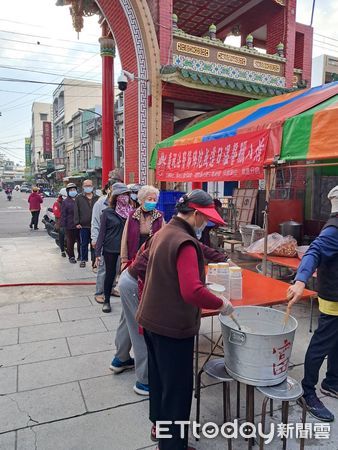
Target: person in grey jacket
(98,209)
(83,216)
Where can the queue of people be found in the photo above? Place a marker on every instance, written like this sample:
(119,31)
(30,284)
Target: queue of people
(157,258)
(161,284)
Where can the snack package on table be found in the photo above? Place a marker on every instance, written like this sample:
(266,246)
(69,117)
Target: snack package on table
(278,245)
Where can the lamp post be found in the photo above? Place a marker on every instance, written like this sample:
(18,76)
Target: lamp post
(89,110)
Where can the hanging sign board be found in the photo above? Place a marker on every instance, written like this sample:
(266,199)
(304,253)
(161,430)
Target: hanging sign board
(235,158)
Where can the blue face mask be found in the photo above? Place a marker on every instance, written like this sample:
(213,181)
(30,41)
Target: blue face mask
(150,206)
(72,193)
(199,231)
(133,197)
(88,189)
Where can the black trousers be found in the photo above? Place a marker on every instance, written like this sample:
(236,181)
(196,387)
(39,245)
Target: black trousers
(72,236)
(324,343)
(62,239)
(35,219)
(170,367)
(110,260)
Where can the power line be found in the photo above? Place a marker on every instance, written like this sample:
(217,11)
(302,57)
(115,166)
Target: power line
(326,43)
(41,60)
(41,87)
(327,37)
(74,67)
(42,82)
(325,48)
(44,73)
(28,93)
(34,25)
(42,52)
(12,155)
(45,45)
(48,37)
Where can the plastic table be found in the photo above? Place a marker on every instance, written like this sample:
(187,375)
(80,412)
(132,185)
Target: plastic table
(258,290)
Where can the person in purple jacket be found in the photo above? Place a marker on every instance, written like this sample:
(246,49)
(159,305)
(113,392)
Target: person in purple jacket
(141,224)
(67,221)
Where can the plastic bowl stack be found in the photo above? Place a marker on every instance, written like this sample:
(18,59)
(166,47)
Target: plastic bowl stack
(301,250)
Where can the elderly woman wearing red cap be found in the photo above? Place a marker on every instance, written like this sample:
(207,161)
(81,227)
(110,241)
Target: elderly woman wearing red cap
(174,293)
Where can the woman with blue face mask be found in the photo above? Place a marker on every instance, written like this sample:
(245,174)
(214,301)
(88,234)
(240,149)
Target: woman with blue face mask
(141,224)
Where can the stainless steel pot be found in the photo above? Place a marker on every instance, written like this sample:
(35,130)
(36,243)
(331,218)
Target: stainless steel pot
(291,228)
(259,354)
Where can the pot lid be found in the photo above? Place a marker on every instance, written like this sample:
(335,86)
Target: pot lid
(291,223)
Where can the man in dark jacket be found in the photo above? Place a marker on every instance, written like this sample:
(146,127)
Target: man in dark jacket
(83,216)
(67,221)
(323,256)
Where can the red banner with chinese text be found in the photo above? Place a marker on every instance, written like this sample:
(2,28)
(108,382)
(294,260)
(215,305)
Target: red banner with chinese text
(234,158)
(47,139)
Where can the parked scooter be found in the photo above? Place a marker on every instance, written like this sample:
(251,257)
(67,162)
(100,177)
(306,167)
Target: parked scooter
(49,221)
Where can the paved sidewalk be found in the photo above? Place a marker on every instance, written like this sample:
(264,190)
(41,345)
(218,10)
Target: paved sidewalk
(56,389)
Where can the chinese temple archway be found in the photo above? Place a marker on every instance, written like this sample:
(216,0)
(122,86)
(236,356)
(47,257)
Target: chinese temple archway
(184,67)
(131,25)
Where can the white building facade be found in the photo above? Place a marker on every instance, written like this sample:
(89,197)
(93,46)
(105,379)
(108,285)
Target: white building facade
(41,142)
(69,98)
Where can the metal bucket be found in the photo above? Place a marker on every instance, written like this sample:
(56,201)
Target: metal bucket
(259,354)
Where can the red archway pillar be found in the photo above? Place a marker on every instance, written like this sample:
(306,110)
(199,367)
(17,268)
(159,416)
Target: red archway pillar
(107,53)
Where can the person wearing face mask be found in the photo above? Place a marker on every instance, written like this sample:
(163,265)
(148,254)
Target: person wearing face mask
(134,188)
(99,207)
(83,215)
(141,224)
(170,310)
(57,206)
(67,221)
(108,242)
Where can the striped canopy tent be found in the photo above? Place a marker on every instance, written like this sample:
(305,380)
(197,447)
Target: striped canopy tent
(300,125)
(312,135)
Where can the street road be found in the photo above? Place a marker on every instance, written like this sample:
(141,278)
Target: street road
(15,215)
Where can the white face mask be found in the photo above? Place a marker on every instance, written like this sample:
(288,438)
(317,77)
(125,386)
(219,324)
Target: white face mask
(199,230)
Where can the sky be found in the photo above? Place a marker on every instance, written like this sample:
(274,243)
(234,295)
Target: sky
(38,43)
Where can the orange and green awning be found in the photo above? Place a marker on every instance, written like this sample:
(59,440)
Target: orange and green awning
(312,134)
(301,125)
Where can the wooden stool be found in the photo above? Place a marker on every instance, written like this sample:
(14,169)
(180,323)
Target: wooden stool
(232,243)
(215,369)
(289,390)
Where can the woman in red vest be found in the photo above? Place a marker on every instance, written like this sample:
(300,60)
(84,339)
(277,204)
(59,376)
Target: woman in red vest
(170,310)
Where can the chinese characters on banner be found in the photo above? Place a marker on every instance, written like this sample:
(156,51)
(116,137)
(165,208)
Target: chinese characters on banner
(231,159)
(47,139)
(282,356)
(28,152)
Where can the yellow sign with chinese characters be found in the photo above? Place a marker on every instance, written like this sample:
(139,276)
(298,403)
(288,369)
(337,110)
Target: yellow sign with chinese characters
(230,58)
(266,66)
(193,49)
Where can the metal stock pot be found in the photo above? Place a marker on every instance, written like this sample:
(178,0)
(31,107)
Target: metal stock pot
(259,353)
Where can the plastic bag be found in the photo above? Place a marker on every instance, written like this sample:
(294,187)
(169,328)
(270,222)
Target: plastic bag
(278,245)
(288,248)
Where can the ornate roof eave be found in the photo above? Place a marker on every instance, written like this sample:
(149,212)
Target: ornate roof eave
(205,82)
(80,9)
(220,44)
